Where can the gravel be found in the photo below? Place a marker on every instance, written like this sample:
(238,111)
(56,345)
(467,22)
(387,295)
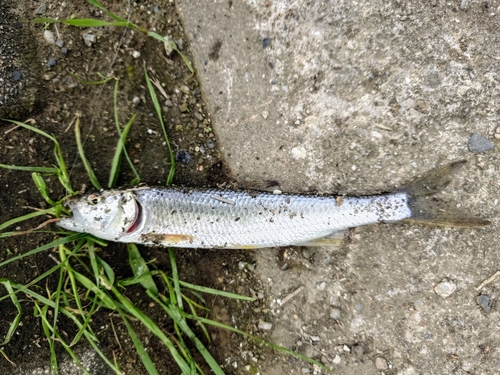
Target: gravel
(183,157)
(485,302)
(445,288)
(478,144)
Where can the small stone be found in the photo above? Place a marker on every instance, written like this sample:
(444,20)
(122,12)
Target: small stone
(497,136)
(16,76)
(359,307)
(463,4)
(136,54)
(52,63)
(265,326)
(169,45)
(335,313)
(156,10)
(136,101)
(179,43)
(49,37)
(210,144)
(346,348)
(64,51)
(485,302)
(315,338)
(445,288)
(478,144)
(184,107)
(265,114)
(266,42)
(381,363)
(337,359)
(89,39)
(41,9)
(198,115)
(305,370)
(60,43)
(299,152)
(321,285)
(183,157)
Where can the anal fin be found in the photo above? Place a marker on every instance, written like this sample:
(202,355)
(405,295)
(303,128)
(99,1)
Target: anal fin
(333,239)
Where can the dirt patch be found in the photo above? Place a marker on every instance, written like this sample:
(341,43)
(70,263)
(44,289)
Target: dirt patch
(122,54)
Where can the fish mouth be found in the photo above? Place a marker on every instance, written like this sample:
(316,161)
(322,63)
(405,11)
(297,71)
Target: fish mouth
(138,219)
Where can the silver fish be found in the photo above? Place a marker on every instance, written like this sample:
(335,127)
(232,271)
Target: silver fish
(242,220)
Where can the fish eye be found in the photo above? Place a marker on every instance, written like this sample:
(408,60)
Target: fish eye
(93,199)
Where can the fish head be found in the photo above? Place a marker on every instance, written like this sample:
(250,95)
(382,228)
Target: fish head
(108,215)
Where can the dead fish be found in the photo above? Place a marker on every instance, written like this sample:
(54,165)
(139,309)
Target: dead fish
(239,220)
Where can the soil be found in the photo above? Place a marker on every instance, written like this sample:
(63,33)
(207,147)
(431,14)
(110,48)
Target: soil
(62,97)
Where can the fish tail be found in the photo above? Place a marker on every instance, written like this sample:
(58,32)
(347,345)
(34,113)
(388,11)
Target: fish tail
(428,210)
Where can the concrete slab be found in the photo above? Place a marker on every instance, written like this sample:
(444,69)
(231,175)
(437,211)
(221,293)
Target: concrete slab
(359,97)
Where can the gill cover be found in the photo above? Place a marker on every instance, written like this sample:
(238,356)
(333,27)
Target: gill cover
(108,215)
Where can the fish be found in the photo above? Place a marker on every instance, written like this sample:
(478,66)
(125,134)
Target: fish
(225,219)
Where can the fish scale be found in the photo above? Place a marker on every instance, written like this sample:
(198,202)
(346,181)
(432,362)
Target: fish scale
(256,220)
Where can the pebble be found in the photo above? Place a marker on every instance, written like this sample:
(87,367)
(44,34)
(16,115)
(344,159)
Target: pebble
(156,10)
(64,51)
(60,43)
(136,54)
(359,306)
(337,359)
(265,114)
(198,115)
(266,42)
(445,288)
(49,37)
(299,152)
(89,39)
(485,302)
(52,63)
(463,4)
(265,326)
(136,101)
(478,144)
(184,107)
(381,363)
(210,144)
(41,9)
(16,76)
(305,370)
(335,313)
(321,285)
(183,157)
(169,45)
(497,136)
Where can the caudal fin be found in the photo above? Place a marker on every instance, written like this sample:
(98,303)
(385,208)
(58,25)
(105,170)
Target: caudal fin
(428,210)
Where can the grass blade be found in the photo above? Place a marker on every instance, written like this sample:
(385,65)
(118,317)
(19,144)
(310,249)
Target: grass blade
(8,223)
(120,148)
(47,246)
(31,169)
(160,117)
(86,163)
(174,47)
(175,277)
(141,269)
(15,323)
(143,354)
(148,323)
(101,7)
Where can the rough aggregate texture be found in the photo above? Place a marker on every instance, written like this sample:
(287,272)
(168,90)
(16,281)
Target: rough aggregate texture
(357,97)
